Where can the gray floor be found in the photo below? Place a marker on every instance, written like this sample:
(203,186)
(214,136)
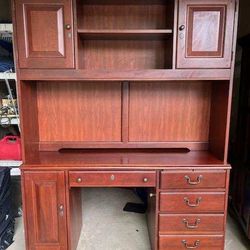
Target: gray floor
(110,224)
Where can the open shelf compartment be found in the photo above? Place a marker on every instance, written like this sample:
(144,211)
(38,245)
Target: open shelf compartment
(127,116)
(124,35)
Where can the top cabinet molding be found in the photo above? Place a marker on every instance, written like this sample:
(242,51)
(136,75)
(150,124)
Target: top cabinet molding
(205,33)
(45,33)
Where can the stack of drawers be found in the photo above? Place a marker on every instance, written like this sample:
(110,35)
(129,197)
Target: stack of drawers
(192,207)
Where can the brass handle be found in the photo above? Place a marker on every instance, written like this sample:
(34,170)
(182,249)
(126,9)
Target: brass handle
(182,27)
(61,210)
(79,179)
(145,179)
(191,226)
(151,195)
(68,26)
(196,204)
(194,246)
(198,180)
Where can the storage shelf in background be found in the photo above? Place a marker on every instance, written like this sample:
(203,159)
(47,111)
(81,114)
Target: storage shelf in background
(13,120)
(6,27)
(10,163)
(9,76)
(14,165)
(124,33)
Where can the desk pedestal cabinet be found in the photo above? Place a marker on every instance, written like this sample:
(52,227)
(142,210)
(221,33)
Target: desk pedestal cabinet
(130,94)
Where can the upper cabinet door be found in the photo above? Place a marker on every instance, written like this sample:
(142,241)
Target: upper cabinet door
(44,30)
(205,33)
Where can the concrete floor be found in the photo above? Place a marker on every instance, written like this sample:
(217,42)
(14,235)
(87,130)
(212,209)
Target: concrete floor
(107,227)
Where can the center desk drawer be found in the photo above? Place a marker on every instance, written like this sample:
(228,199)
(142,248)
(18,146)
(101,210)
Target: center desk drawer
(193,179)
(112,178)
(192,202)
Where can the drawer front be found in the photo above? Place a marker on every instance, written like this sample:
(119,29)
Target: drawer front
(191,224)
(112,178)
(193,179)
(191,202)
(167,242)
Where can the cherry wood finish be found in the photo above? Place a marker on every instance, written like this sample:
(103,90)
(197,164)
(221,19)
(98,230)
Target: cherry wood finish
(191,224)
(121,158)
(149,123)
(192,242)
(81,112)
(45,37)
(74,216)
(46,210)
(192,202)
(205,33)
(112,179)
(193,179)
(128,75)
(117,93)
(129,115)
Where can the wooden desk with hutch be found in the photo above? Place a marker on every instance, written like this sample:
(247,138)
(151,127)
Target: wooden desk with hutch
(143,90)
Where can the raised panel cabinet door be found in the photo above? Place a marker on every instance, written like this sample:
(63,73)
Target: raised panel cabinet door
(44,33)
(45,212)
(205,33)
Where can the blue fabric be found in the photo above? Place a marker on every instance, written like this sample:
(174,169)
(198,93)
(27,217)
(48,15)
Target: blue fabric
(7,46)
(6,63)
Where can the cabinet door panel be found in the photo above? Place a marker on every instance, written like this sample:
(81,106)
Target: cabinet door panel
(205,33)
(45,210)
(43,39)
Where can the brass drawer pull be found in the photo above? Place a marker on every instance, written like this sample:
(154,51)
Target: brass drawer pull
(194,246)
(198,181)
(191,226)
(196,204)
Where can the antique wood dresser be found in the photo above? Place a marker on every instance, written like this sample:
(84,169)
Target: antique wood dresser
(123,93)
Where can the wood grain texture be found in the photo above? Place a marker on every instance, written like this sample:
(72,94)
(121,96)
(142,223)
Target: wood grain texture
(125,14)
(75,216)
(112,179)
(204,179)
(205,242)
(206,38)
(152,217)
(30,132)
(75,111)
(125,54)
(125,159)
(129,75)
(173,111)
(211,202)
(44,194)
(219,119)
(206,224)
(43,41)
